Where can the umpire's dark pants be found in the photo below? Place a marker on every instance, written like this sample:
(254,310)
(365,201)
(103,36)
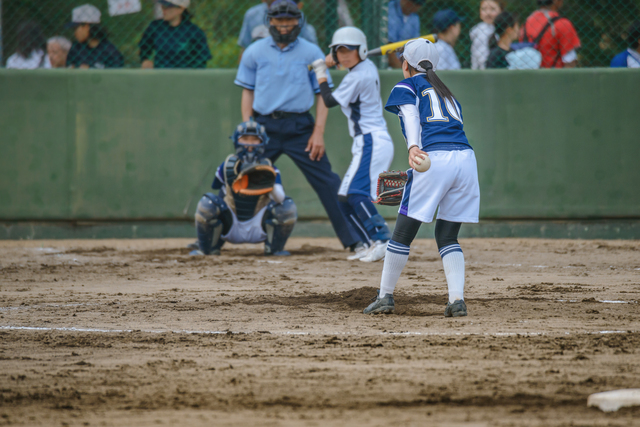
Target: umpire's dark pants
(290,135)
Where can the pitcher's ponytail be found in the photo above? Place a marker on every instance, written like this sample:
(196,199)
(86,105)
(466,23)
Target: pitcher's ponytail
(441,89)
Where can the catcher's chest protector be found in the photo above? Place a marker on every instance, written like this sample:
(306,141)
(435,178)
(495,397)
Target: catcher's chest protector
(245,207)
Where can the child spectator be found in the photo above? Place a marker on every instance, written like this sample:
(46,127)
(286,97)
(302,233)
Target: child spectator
(559,39)
(630,58)
(481,33)
(30,53)
(92,49)
(447,24)
(176,41)
(58,49)
(507,30)
(404,24)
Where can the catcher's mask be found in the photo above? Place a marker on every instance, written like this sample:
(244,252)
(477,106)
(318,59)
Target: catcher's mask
(250,154)
(284,9)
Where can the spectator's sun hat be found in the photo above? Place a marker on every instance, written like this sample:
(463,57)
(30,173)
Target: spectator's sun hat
(85,14)
(418,50)
(443,19)
(174,3)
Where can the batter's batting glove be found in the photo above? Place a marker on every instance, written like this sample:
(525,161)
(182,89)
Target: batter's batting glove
(320,68)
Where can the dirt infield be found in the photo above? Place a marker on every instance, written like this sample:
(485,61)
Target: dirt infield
(136,332)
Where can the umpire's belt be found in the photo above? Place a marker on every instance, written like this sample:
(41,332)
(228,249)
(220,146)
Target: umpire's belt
(279,114)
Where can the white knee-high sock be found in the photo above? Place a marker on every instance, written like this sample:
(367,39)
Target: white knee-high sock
(453,262)
(394,261)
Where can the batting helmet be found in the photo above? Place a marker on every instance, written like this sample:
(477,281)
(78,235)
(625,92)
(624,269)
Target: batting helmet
(350,37)
(284,9)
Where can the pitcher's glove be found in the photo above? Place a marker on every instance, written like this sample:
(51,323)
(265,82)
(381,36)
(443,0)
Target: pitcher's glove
(255,180)
(390,187)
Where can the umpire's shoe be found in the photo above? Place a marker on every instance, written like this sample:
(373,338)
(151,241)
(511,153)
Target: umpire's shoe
(384,305)
(457,309)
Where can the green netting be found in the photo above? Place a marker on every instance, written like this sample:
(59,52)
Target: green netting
(600,24)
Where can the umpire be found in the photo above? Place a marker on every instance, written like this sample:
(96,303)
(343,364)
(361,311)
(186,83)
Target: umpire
(278,91)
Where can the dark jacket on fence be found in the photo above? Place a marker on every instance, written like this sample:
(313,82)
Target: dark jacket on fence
(105,55)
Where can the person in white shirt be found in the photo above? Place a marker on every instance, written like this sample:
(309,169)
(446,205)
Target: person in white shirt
(447,24)
(359,97)
(482,32)
(57,49)
(30,53)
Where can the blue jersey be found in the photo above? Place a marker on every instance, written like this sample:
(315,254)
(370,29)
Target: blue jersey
(441,125)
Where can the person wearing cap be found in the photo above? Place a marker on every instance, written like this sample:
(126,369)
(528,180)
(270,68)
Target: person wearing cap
(630,58)
(404,24)
(432,124)
(559,40)
(255,17)
(92,49)
(447,24)
(359,97)
(174,41)
(278,90)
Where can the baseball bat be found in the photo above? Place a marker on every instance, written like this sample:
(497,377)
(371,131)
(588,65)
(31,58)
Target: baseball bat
(392,47)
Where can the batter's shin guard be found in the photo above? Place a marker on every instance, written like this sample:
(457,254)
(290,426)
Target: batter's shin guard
(376,226)
(209,224)
(278,223)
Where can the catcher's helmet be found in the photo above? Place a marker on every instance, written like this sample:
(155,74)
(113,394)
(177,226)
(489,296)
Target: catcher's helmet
(352,38)
(250,127)
(284,9)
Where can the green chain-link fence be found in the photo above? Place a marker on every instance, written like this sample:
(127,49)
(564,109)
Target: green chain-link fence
(601,25)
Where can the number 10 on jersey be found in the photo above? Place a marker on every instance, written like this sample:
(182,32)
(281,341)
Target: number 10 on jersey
(437,115)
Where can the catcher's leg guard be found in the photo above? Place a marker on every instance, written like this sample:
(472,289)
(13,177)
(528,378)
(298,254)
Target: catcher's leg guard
(278,223)
(376,227)
(352,218)
(213,219)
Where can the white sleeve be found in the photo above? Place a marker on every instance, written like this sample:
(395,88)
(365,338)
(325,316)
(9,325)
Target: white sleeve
(277,194)
(570,56)
(411,117)
(347,91)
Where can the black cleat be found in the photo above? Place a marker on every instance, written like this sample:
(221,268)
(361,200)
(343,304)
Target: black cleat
(457,309)
(384,305)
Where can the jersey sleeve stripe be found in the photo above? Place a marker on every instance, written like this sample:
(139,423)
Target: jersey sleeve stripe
(405,86)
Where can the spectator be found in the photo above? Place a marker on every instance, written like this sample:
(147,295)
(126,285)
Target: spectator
(447,24)
(58,49)
(177,42)
(92,49)
(630,58)
(481,33)
(558,38)
(507,29)
(30,53)
(255,17)
(404,24)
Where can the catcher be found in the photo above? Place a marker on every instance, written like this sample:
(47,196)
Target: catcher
(251,206)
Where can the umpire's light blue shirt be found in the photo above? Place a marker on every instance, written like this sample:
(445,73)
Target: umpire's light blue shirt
(256,16)
(401,27)
(280,78)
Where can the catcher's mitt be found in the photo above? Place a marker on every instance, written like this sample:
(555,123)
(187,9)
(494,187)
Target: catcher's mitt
(390,187)
(255,180)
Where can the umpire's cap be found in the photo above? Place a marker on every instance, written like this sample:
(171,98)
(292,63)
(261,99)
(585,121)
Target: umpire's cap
(284,9)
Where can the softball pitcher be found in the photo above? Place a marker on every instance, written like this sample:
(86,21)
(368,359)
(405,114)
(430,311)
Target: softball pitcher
(359,97)
(431,120)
